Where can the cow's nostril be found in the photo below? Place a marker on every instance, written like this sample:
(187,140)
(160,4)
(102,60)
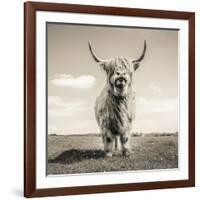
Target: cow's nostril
(122,80)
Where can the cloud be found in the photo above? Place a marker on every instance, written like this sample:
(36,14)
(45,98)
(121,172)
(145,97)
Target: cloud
(52,129)
(59,107)
(66,116)
(157,115)
(68,80)
(56,101)
(145,105)
(155,88)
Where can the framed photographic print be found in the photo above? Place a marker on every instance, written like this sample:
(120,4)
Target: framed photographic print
(109,99)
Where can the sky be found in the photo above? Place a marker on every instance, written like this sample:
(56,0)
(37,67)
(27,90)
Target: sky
(75,79)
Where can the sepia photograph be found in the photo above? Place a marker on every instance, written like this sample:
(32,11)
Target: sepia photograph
(112,98)
(109,99)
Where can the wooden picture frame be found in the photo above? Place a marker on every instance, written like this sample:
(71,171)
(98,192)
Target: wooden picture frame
(30,147)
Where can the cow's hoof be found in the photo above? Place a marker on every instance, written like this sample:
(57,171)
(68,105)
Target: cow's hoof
(109,154)
(126,152)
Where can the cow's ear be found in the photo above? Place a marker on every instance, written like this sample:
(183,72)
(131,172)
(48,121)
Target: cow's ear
(136,65)
(105,66)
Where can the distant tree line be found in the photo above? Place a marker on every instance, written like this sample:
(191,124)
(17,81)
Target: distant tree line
(134,134)
(153,134)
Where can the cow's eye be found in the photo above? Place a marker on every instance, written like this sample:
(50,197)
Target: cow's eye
(117,73)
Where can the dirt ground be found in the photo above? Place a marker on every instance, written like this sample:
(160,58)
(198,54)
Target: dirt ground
(69,154)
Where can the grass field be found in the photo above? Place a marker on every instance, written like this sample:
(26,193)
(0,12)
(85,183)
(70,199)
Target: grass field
(84,154)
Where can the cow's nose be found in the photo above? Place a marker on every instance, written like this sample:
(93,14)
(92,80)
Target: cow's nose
(121,79)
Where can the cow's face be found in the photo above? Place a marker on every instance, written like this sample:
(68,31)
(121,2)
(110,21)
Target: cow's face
(120,72)
(120,75)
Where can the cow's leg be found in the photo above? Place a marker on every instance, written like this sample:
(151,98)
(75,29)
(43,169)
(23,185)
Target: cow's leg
(108,144)
(124,139)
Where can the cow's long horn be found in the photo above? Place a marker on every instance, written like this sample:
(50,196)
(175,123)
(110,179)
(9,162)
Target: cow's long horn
(143,54)
(96,58)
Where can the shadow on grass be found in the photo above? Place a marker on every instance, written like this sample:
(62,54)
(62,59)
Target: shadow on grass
(77,155)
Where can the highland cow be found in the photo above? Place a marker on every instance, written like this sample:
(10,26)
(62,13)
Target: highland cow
(115,106)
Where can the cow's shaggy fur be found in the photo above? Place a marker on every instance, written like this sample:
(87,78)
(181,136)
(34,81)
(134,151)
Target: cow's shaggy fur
(115,106)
